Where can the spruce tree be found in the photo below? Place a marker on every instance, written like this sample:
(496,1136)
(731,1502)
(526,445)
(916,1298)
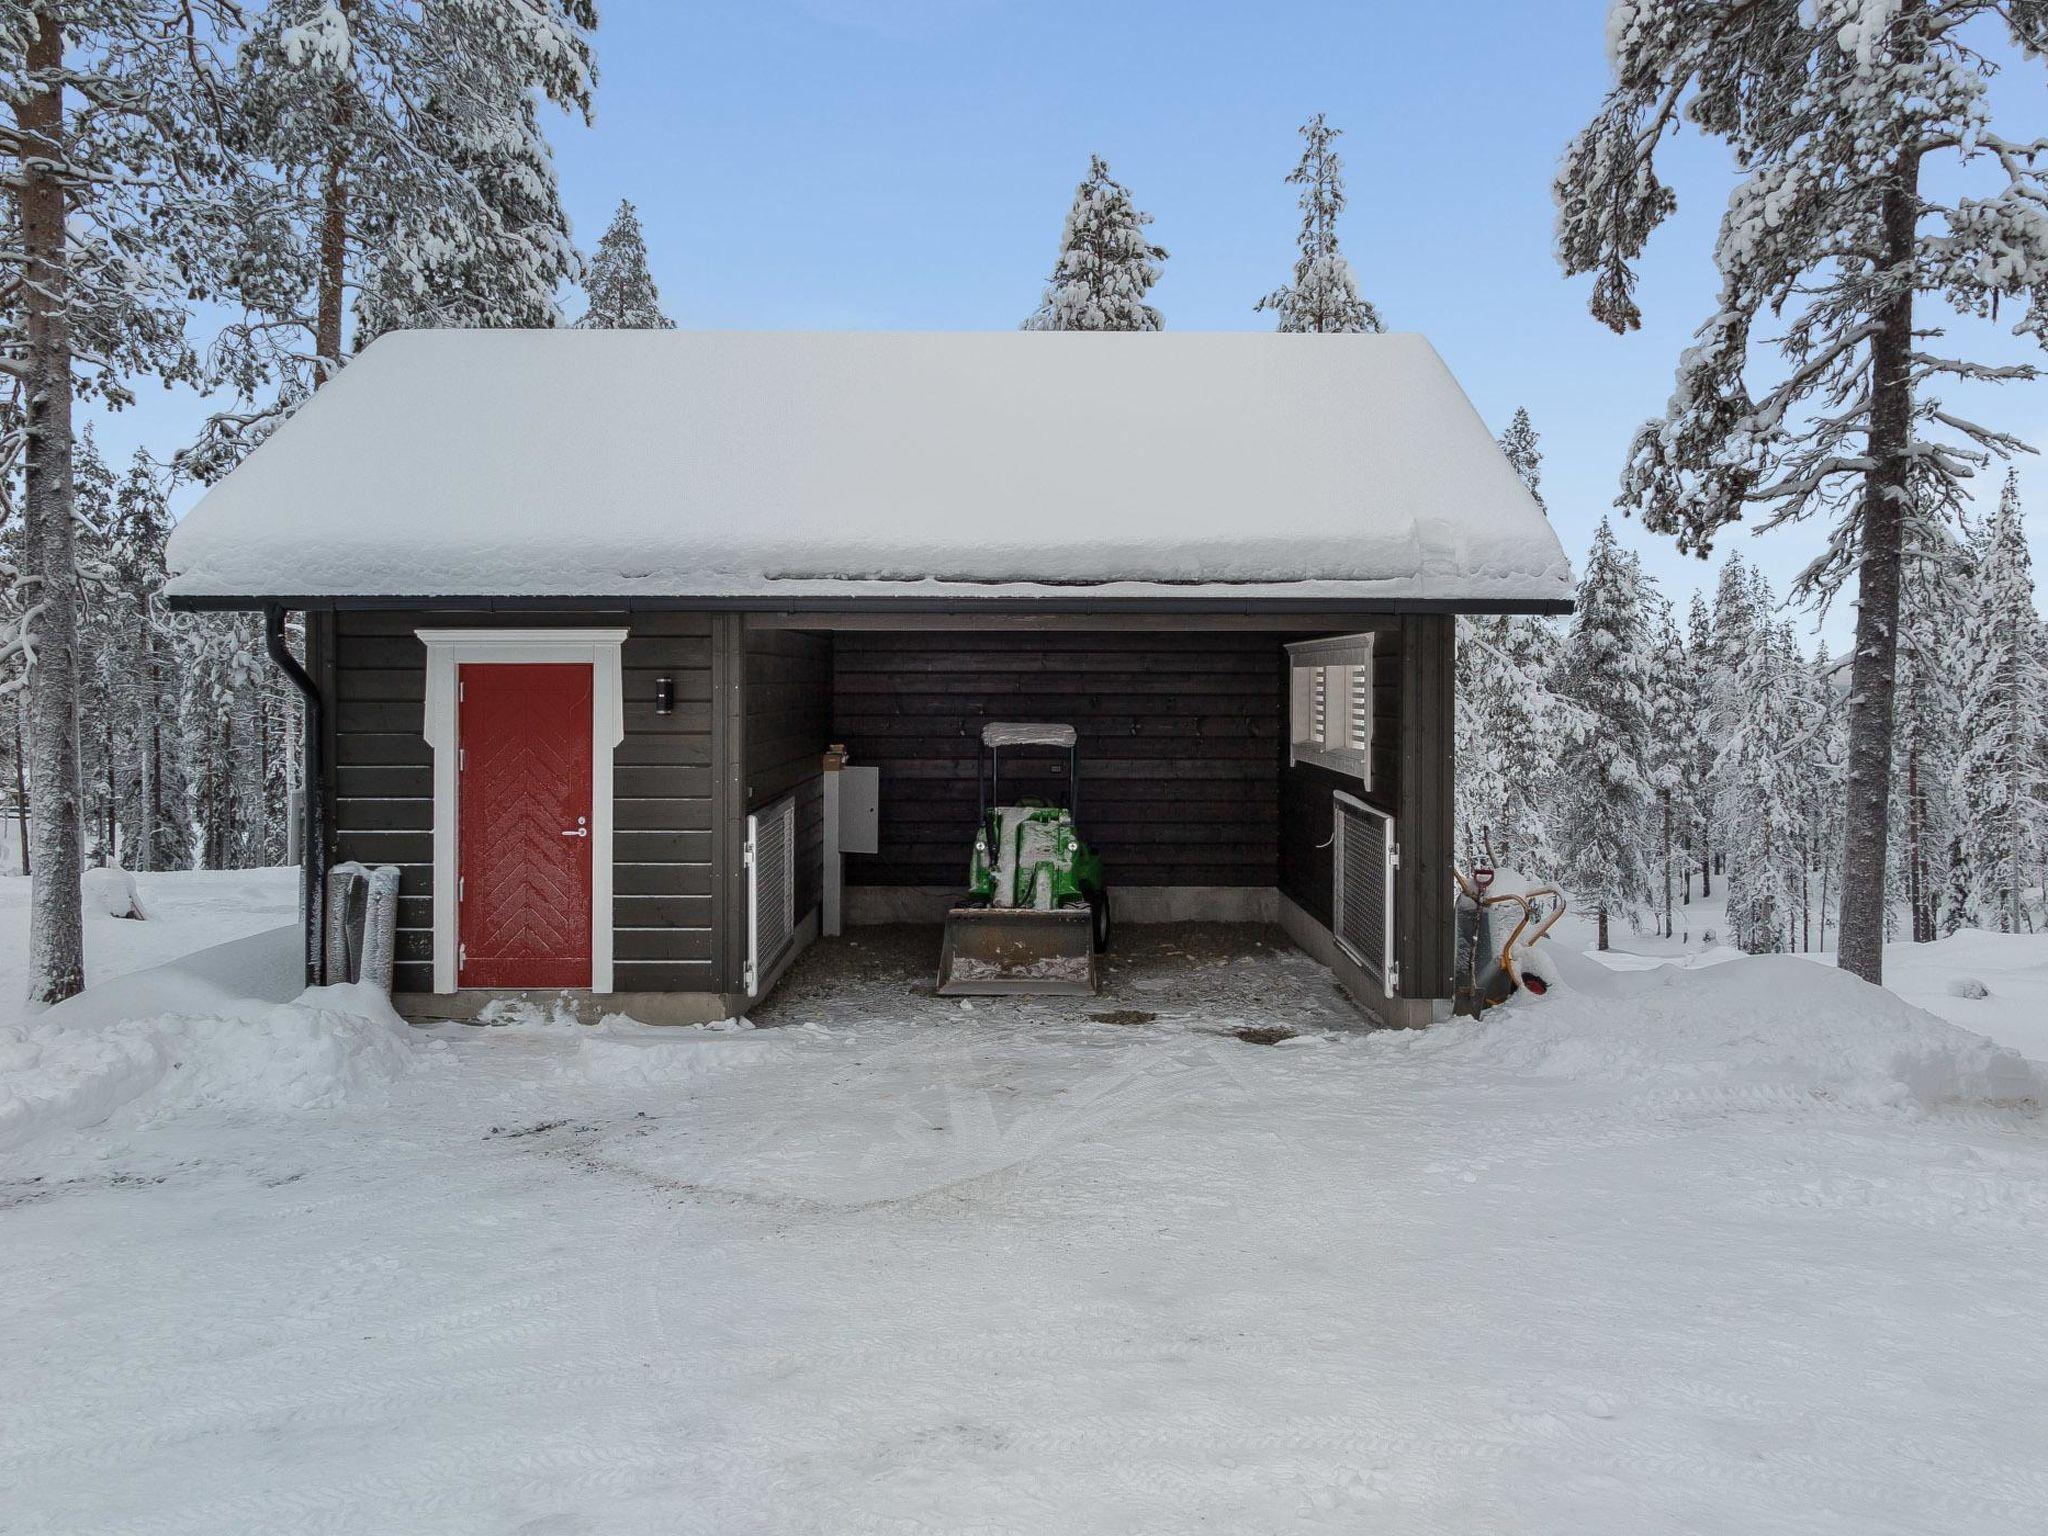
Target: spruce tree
(1106,265)
(1520,444)
(1510,726)
(152,821)
(621,289)
(1697,746)
(1763,792)
(1324,294)
(2001,773)
(1933,604)
(1832,239)
(1604,789)
(1669,748)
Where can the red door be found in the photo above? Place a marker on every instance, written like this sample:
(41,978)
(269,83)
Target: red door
(524,825)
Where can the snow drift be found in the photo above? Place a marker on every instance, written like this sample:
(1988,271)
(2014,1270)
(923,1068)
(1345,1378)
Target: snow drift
(206,1031)
(1765,1026)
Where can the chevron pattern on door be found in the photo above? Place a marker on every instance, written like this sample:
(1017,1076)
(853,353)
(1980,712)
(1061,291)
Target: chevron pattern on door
(524,824)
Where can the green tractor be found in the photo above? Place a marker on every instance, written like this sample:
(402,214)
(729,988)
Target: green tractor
(1036,913)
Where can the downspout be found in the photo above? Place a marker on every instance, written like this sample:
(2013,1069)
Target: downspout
(313,842)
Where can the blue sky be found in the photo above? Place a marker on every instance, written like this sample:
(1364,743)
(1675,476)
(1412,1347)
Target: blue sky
(906,164)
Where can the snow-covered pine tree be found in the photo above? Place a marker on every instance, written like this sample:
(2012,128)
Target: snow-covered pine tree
(621,289)
(153,831)
(115,182)
(1324,293)
(1669,748)
(406,165)
(1510,727)
(1833,109)
(101,668)
(1697,746)
(2001,773)
(1736,622)
(1761,773)
(1106,265)
(1510,732)
(1822,782)
(496,263)
(1933,602)
(1604,792)
(1524,455)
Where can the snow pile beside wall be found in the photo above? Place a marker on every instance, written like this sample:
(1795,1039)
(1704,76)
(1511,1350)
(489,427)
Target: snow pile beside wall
(1766,1027)
(67,1071)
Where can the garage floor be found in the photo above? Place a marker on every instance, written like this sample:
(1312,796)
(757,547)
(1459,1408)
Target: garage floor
(1156,972)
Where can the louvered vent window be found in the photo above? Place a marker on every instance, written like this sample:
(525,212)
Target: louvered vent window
(771,889)
(1331,697)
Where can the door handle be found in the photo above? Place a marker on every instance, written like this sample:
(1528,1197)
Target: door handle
(579,832)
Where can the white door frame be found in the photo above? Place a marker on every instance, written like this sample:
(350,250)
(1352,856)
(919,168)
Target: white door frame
(448,649)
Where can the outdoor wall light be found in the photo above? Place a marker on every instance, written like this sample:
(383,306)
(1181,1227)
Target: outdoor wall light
(664,695)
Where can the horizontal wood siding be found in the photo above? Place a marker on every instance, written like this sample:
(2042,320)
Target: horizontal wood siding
(383,784)
(1305,810)
(787,726)
(1182,740)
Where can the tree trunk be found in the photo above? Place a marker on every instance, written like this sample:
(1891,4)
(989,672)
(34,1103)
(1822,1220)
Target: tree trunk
(20,790)
(111,849)
(334,199)
(147,749)
(1665,796)
(56,924)
(1602,915)
(1874,675)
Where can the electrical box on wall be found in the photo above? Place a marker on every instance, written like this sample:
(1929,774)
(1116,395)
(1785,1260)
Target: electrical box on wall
(860,810)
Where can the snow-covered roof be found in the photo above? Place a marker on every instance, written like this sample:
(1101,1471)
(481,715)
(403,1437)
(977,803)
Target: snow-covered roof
(855,465)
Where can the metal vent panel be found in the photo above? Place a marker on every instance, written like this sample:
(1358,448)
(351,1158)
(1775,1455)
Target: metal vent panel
(1363,899)
(771,888)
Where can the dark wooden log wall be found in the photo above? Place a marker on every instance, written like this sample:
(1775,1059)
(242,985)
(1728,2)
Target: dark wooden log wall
(1412,778)
(381,783)
(1305,789)
(1182,745)
(788,721)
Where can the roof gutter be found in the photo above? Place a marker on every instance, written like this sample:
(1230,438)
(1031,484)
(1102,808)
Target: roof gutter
(313,834)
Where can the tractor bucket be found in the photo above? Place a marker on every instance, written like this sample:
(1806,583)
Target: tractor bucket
(1018,952)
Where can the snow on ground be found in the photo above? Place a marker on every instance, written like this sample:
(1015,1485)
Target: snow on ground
(1993,983)
(1743,1249)
(189,910)
(2010,968)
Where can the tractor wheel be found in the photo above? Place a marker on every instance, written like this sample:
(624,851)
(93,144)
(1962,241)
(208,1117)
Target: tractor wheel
(1098,905)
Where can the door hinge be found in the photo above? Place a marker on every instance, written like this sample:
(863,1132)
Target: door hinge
(749,978)
(1393,980)
(461,957)
(462,759)
(461,690)
(747,853)
(460,882)
(1394,857)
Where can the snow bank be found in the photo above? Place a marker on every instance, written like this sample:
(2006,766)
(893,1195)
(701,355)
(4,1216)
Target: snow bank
(111,889)
(1765,1025)
(197,1032)
(734,464)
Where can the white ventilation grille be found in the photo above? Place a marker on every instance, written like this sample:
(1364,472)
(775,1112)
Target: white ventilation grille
(771,888)
(1363,899)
